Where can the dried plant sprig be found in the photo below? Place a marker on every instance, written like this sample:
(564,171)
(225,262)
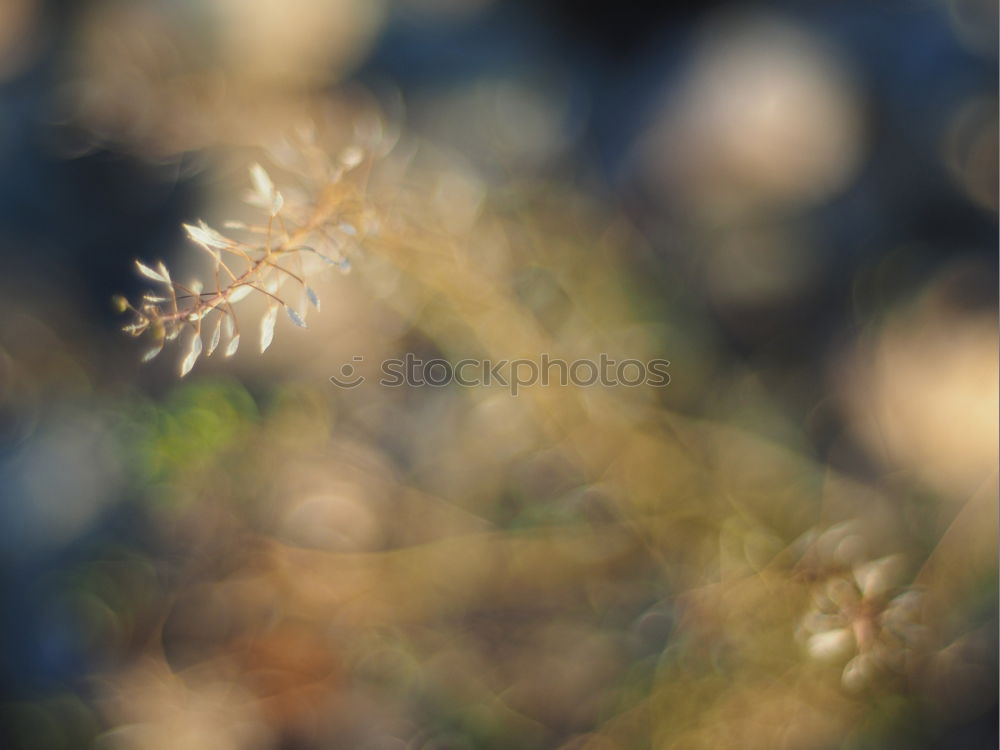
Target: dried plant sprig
(242,268)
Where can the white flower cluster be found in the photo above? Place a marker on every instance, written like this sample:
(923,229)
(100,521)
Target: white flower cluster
(863,619)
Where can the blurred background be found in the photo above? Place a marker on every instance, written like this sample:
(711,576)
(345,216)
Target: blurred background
(794,544)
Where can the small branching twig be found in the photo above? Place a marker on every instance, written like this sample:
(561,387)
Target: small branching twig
(243,268)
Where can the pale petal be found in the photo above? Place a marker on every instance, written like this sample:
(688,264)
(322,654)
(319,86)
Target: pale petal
(878,577)
(833,645)
(817,622)
(351,157)
(842,593)
(858,672)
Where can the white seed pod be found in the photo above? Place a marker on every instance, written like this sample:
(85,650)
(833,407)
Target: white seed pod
(194,351)
(267,327)
(273,283)
(263,186)
(213,343)
(151,353)
(232,346)
(207,237)
(239,293)
(295,317)
(313,297)
(149,273)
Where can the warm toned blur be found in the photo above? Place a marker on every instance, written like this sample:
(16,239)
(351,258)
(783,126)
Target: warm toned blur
(792,544)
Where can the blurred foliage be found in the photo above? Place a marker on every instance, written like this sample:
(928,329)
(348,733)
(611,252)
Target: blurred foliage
(190,431)
(782,548)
